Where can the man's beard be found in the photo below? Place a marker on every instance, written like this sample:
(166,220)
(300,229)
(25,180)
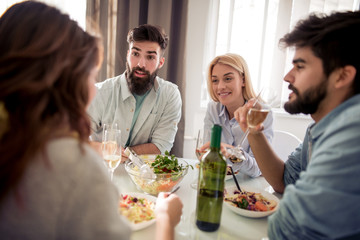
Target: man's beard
(139,86)
(309,102)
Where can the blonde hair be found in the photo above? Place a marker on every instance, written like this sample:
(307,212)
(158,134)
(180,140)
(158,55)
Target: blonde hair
(239,64)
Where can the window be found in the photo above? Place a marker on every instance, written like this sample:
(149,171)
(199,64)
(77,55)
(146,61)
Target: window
(252,29)
(75,9)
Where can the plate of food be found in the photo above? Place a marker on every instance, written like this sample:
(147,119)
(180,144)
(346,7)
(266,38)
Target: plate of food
(138,208)
(251,202)
(228,173)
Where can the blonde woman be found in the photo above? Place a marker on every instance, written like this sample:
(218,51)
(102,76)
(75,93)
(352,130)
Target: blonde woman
(230,87)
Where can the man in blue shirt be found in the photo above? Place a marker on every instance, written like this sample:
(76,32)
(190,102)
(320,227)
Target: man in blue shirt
(320,180)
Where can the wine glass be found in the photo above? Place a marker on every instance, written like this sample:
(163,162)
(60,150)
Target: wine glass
(199,154)
(111,147)
(255,117)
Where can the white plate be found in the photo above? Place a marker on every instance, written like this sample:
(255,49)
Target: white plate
(248,213)
(145,224)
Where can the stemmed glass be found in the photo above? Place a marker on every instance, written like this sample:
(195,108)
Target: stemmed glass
(111,147)
(254,117)
(199,154)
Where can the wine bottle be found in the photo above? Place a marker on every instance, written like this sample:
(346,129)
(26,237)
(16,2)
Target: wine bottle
(211,185)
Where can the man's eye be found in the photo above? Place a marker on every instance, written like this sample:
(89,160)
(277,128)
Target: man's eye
(150,57)
(135,54)
(299,67)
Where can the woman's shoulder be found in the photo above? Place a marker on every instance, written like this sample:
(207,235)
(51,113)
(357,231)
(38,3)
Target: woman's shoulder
(214,106)
(69,154)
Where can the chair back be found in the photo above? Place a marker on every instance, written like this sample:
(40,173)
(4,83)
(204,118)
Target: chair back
(284,143)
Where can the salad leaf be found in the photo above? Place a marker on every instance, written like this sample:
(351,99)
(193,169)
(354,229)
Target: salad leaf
(243,204)
(167,164)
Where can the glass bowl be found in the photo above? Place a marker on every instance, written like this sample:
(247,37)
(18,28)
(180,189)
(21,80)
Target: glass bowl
(164,182)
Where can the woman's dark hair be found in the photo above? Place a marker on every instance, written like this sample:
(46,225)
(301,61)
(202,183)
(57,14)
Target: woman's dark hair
(45,60)
(147,32)
(333,38)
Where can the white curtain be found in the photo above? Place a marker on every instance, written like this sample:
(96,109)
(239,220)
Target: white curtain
(252,29)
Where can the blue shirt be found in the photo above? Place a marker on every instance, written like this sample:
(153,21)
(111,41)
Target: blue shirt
(322,194)
(157,120)
(232,134)
(139,101)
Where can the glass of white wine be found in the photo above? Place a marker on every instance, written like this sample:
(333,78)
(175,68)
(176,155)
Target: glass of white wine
(255,117)
(111,147)
(199,154)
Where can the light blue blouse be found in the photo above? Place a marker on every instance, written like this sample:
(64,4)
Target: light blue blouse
(232,133)
(322,196)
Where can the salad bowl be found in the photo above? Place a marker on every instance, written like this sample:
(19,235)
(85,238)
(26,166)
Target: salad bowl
(169,172)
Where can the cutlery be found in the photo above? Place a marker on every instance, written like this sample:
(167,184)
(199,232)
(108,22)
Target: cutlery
(174,190)
(234,177)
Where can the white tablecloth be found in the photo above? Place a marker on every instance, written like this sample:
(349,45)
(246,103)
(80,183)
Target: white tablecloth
(232,226)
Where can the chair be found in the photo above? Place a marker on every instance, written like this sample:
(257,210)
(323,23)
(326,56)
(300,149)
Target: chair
(284,143)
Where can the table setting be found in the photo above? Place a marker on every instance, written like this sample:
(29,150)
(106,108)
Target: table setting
(235,223)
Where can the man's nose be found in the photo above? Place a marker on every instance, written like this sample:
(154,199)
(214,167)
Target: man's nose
(141,62)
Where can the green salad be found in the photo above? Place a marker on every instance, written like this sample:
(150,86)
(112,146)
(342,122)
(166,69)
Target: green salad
(167,164)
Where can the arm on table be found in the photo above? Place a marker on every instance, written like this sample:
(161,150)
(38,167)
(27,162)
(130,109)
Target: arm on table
(168,213)
(146,148)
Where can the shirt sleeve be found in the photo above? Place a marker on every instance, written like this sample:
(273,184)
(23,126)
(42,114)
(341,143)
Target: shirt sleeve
(164,134)
(208,121)
(95,112)
(322,203)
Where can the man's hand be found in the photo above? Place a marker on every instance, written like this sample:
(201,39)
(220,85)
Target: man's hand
(240,115)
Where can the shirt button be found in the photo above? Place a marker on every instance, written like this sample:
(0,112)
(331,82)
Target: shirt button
(132,110)
(127,129)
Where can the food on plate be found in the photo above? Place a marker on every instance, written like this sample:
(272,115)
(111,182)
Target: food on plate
(136,210)
(249,200)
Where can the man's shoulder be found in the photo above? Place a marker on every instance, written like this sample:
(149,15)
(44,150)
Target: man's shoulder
(109,84)
(164,84)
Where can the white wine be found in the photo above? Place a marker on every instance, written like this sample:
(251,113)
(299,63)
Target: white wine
(211,185)
(256,116)
(109,147)
(112,161)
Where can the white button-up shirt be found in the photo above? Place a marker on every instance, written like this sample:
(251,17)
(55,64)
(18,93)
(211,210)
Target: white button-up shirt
(157,120)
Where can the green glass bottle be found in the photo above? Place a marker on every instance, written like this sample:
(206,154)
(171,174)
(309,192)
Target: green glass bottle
(211,185)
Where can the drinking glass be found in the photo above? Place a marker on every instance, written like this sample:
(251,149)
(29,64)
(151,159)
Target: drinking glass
(255,117)
(111,147)
(199,154)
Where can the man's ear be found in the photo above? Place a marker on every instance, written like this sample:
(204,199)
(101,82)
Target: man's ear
(161,62)
(346,76)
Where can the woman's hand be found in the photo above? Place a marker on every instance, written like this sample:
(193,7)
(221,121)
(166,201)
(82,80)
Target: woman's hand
(223,147)
(168,208)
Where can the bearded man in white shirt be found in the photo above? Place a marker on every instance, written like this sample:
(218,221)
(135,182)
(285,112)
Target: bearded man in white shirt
(147,107)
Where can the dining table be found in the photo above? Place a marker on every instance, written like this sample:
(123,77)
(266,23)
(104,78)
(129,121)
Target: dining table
(233,226)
